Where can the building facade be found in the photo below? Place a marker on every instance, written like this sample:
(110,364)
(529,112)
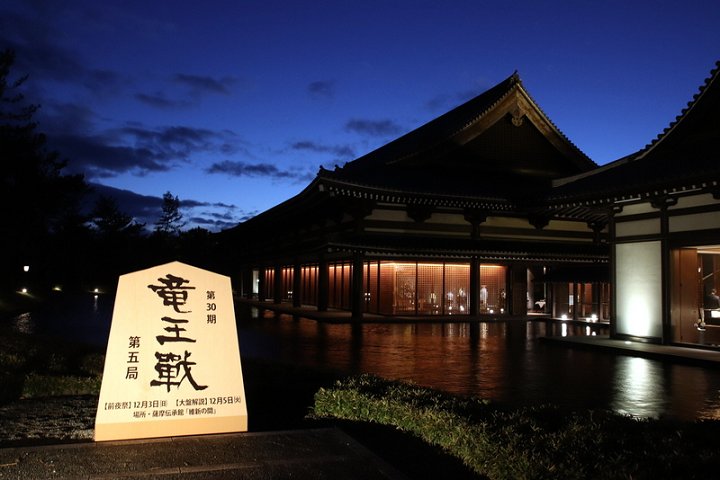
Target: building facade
(663,206)
(449,219)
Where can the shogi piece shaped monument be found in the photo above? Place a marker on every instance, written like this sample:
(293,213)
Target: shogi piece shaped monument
(173,362)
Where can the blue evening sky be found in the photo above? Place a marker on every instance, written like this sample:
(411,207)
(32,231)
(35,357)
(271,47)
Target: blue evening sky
(234,105)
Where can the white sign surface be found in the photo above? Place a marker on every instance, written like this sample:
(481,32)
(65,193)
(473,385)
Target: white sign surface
(172,365)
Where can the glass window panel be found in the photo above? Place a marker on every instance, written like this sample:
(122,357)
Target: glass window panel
(386,288)
(370,286)
(429,288)
(269,287)
(405,288)
(309,284)
(457,281)
(492,296)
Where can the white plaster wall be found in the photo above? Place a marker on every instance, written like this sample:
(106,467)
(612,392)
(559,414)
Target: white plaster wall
(698,221)
(639,227)
(638,273)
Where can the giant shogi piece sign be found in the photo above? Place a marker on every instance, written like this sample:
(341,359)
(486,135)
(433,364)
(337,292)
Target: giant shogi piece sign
(173,362)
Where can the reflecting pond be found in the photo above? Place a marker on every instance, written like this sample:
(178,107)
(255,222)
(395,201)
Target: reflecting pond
(502,361)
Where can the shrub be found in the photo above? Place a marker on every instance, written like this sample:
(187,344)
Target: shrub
(37,385)
(536,442)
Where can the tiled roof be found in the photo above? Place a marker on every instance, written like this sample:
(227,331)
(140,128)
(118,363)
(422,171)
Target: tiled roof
(493,146)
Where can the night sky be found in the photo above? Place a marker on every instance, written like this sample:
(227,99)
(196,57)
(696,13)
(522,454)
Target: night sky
(233,106)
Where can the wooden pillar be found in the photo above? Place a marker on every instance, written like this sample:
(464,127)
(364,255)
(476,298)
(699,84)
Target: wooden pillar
(518,274)
(357,296)
(474,293)
(246,283)
(262,282)
(278,286)
(297,285)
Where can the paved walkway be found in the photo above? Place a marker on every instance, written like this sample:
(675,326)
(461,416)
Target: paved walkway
(299,454)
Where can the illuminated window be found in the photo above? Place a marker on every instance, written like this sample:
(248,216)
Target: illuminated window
(269,286)
(309,284)
(339,284)
(492,289)
(287,283)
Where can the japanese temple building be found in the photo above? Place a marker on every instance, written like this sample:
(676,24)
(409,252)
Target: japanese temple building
(490,210)
(664,212)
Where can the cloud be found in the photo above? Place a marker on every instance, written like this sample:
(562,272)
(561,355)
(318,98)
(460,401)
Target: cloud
(322,88)
(95,158)
(143,208)
(202,84)
(132,148)
(373,128)
(444,101)
(242,169)
(159,100)
(39,54)
(147,209)
(216,221)
(342,151)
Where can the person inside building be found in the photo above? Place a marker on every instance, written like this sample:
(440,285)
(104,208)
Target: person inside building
(712,300)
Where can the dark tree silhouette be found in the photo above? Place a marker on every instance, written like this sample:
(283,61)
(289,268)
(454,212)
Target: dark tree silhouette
(170,221)
(118,242)
(108,220)
(36,200)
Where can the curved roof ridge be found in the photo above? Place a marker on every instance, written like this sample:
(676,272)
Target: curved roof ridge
(714,74)
(551,123)
(444,126)
(513,82)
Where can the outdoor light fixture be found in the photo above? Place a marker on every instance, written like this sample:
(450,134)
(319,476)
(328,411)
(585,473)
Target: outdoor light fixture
(96,290)
(594,317)
(563,317)
(24,290)
(26,268)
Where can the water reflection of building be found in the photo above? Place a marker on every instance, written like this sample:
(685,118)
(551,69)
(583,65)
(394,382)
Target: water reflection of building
(489,208)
